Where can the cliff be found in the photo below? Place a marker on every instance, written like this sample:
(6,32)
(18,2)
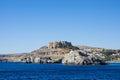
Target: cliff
(81,58)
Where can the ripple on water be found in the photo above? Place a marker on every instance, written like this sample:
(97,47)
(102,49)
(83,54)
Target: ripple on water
(58,72)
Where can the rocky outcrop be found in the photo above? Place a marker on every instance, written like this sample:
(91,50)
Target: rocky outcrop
(3,60)
(81,58)
(32,59)
(57,51)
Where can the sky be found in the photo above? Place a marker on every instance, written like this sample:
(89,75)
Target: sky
(26,25)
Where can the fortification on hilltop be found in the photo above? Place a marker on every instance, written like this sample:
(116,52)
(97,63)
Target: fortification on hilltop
(60,44)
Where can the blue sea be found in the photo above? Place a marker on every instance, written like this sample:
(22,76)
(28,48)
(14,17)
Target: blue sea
(21,71)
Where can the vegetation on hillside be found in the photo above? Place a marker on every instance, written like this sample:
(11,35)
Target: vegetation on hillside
(112,55)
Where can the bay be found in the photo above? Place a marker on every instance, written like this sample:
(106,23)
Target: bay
(21,71)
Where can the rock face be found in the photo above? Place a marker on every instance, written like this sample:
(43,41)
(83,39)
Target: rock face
(32,59)
(3,60)
(61,44)
(81,58)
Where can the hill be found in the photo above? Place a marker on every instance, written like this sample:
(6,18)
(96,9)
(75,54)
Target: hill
(55,52)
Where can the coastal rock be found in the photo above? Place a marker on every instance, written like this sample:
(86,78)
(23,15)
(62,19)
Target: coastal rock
(81,58)
(3,60)
(37,59)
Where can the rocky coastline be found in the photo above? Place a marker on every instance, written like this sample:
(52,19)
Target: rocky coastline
(64,52)
(81,58)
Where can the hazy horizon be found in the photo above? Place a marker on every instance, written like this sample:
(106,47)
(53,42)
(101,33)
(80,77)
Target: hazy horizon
(26,25)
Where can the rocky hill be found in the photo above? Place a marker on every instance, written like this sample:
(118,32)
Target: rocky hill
(55,52)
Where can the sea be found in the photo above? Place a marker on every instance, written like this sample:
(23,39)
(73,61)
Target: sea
(22,71)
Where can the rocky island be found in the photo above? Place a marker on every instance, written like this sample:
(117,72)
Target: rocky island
(64,52)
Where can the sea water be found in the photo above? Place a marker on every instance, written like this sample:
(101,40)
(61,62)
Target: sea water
(21,71)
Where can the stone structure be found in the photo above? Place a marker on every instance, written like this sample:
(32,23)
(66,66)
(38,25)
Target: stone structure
(61,44)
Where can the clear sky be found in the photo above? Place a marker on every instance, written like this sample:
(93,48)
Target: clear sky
(26,25)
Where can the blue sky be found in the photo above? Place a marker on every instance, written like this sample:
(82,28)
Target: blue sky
(26,25)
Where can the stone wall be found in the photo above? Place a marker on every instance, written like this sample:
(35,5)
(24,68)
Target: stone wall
(61,44)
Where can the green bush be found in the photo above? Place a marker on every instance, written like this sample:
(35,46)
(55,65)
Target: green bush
(108,52)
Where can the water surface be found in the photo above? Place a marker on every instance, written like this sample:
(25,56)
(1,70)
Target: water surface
(20,71)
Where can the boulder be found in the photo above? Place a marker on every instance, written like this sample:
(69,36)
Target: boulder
(81,58)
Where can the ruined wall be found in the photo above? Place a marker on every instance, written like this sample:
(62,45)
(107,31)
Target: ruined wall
(61,44)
